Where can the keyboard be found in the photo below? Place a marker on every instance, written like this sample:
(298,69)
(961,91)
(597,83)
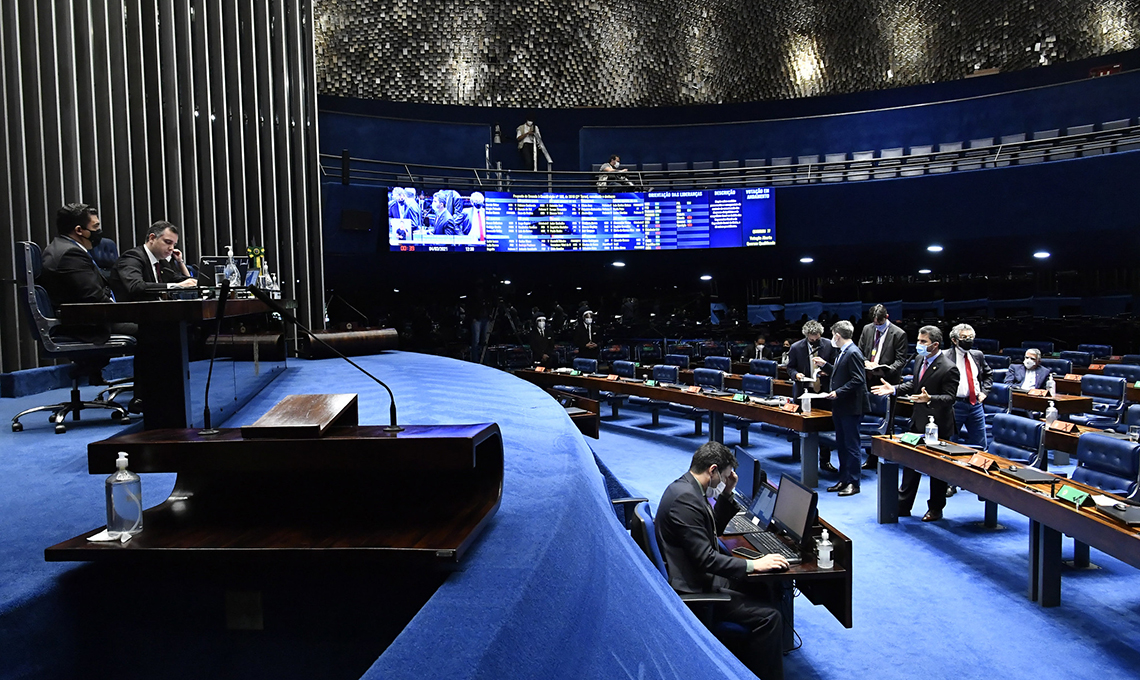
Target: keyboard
(766,543)
(739,524)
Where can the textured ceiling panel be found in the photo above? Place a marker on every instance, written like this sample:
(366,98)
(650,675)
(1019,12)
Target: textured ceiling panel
(566,53)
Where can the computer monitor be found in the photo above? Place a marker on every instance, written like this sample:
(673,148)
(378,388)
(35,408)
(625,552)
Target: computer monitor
(749,474)
(795,509)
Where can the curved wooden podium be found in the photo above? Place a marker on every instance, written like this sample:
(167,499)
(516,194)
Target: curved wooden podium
(306,482)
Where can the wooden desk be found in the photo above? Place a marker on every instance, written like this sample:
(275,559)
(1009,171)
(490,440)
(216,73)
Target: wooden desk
(808,426)
(325,493)
(1065,403)
(1049,517)
(830,588)
(585,413)
(162,358)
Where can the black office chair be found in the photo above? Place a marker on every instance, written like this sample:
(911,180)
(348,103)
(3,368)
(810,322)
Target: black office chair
(40,312)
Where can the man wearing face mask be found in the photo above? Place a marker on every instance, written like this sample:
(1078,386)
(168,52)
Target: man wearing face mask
(885,352)
(541,345)
(803,372)
(614,166)
(976,381)
(1029,374)
(156,266)
(587,337)
(529,137)
(933,390)
(687,530)
(849,401)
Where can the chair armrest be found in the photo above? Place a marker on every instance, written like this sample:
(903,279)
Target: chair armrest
(627,505)
(698,598)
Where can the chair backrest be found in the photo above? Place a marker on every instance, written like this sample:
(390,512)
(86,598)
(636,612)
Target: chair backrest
(999,374)
(987,345)
(666,373)
(1133,359)
(762,367)
(1014,353)
(719,363)
(1017,438)
(1104,389)
(1108,463)
(1096,350)
(997,361)
(713,348)
(1045,346)
(1058,366)
(106,254)
(34,299)
(648,353)
(998,396)
(585,365)
(1126,371)
(880,405)
(1082,359)
(680,360)
(612,353)
(645,536)
(681,348)
(626,369)
(709,377)
(757,385)
(1131,416)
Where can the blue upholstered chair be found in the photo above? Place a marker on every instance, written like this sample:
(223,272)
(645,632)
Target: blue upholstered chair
(679,360)
(662,373)
(1108,463)
(1081,359)
(987,345)
(999,375)
(1107,393)
(685,348)
(719,363)
(702,377)
(908,370)
(45,328)
(1131,417)
(622,369)
(997,361)
(709,377)
(585,365)
(648,353)
(1058,367)
(1045,346)
(1131,359)
(763,367)
(1126,371)
(1015,354)
(712,348)
(612,353)
(1097,351)
(996,403)
(1018,438)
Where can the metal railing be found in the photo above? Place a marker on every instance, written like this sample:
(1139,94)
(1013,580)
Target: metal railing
(429,177)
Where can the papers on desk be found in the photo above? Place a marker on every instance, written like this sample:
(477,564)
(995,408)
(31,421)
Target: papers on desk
(105,536)
(1103,501)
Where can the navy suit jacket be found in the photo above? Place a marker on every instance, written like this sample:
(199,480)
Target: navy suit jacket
(799,360)
(133,276)
(1016,375)
(941,383)
(687,528)
(895,352)
(849,382)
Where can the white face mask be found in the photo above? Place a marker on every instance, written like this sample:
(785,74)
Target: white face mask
(617,165)
(588,320)
(541,325)
(1029,363)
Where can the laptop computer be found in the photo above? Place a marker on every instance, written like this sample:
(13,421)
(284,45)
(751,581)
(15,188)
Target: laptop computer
(792,518)
(757,515)
(950,449)
(1029,475)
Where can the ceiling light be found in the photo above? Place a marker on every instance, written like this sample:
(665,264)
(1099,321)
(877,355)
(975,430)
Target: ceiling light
(706,277)
(923,271)
(1041,254)
(506,282)
(934,248)
(807,260)
(618,263)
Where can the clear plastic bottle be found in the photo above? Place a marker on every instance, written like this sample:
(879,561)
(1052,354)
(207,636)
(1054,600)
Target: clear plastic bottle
(1051,414)
(805,404)
(823,550)
(1051,387)
(931,436)
(124,500)
(275,289)
(231,271)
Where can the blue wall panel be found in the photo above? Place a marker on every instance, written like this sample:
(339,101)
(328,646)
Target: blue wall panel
(404,141)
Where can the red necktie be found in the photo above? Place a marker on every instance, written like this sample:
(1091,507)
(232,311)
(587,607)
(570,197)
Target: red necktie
(970,380)
(158,272)
(922,371)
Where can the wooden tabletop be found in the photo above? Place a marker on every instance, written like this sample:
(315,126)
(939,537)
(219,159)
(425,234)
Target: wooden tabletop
(1065,403)
(150,311)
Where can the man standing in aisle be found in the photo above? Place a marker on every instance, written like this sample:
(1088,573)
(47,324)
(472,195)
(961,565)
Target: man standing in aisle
(884,349)
(976,381)
(849,401)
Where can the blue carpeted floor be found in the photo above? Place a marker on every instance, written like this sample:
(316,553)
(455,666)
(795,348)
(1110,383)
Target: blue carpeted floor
(931,600)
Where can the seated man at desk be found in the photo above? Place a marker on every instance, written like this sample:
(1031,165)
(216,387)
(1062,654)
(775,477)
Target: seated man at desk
(156,266)
(687,530)
(69,274)
(1029,374)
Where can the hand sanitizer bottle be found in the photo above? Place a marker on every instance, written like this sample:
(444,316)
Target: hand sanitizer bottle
(231,270)
(823,548)
(1051,414)
(124,500)
(931,436)
(1051,387)
(805,404)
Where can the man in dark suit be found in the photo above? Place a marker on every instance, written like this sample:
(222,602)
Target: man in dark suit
(803,373)
(687,530)
(933,390)
(758,350)
(1029,374)
(849,401)
(541,344)
(885,353)
(976,381)
(156,266)
(403,206)
(587,336)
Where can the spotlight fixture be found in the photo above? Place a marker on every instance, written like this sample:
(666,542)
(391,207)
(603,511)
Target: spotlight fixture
(1041,254)
(706,277)
(807,260)
(934,248)
(923,271)
(618,263)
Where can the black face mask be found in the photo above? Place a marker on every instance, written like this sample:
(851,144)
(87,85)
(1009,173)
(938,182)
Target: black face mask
(966,345)
(94,237)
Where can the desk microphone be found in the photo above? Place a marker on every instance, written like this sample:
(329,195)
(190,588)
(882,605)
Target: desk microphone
(223,295)
(280,309)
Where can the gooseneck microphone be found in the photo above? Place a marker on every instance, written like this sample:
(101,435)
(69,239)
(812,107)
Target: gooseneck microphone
(280,309)
(223,295)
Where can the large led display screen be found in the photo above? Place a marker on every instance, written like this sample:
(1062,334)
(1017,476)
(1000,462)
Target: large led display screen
(496,221)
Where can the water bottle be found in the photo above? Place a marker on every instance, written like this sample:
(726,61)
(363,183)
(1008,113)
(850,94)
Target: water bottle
(931,436)
(805,402)
(1051,414)
(275,289)
(823,547)
(1051,387)
(231,271)
(124,500)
